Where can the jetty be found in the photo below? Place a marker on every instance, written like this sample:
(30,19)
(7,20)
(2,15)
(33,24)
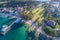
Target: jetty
(6,28)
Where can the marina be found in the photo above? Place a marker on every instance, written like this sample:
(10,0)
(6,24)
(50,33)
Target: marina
(10,27)
(6,26)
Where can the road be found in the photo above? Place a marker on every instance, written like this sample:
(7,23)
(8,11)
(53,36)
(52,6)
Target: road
(37,27)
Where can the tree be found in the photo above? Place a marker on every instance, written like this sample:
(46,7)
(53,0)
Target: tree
(28,15)
(48,30)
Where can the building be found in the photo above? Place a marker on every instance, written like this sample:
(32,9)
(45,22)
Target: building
(55,0)
(43,0)
(51,23)
(58,15)
(17,0)
(44,37)
(55,4)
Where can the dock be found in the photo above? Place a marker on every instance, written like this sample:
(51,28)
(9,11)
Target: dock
(6,28)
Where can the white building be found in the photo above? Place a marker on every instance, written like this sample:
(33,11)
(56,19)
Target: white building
(43,0)
(55,4)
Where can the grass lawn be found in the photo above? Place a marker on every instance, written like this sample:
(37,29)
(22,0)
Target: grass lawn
(57,26)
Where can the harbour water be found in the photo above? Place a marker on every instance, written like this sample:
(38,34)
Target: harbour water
(18,31)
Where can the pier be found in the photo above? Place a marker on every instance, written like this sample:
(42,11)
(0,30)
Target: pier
(6,28)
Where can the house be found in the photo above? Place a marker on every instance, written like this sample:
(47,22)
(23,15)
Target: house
(58,15)
(52,9)
(18,20)
(55,4)
(44,37)
(14,12)
(51,23)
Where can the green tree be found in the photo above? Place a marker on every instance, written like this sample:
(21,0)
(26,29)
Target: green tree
(48,30)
